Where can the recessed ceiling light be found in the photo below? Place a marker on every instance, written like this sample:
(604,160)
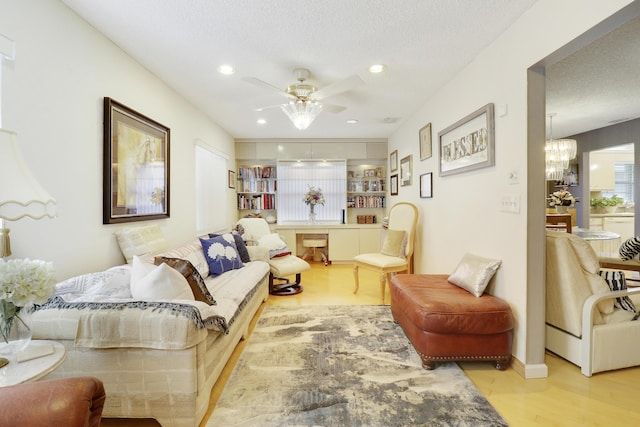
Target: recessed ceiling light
(352,121)
(261,121)
(227,70)
(377,68)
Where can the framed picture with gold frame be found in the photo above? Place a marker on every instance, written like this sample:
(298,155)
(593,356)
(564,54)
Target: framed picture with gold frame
(406,170)
(393,161)
(136,166)
(425,142)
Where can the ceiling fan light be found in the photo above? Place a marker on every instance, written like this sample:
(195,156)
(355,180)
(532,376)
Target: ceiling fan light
(302,113)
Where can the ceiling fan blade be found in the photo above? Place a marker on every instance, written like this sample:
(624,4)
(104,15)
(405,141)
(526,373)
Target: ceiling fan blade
(332,108)
(338,87)
(268,86)
(268,107)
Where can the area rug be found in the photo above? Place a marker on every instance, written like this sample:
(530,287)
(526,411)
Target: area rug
(338,366)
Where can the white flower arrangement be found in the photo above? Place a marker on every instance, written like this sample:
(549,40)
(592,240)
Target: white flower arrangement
(24,281)
(314,196)
(561,198)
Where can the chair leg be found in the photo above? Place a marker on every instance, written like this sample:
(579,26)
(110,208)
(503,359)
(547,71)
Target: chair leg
(355,276)
(383,282)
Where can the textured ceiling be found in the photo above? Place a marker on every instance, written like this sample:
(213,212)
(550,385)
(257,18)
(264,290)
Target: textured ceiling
(423,43)
(598,85)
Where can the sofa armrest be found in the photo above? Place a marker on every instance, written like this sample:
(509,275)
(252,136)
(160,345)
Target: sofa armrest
(587,323)
(68,401)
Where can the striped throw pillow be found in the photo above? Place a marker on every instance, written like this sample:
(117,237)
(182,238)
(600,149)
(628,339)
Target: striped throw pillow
(630,248)
(617,282)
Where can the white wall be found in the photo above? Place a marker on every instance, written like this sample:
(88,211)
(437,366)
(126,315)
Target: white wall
(464,214)
(52,97)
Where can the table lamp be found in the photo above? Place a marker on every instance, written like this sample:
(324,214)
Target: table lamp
(20,194)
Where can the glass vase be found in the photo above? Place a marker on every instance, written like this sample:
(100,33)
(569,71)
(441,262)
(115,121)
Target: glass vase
(15,324)
(312,214)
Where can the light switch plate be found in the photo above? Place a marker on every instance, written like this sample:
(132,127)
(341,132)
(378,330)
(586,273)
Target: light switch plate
(510,203)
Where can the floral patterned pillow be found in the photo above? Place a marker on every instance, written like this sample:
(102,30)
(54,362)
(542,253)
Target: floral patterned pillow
(221,253)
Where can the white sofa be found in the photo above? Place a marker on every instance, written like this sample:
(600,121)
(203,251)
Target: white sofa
(584,325)
(157,359)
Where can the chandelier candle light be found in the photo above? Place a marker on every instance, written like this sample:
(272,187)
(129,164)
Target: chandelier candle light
(313,197)
(558,152)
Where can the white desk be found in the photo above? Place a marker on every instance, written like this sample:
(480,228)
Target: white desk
(19,372)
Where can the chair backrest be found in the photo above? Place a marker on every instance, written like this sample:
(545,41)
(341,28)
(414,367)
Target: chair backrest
(404,216)
(254,228)
(571,276)
(559,222)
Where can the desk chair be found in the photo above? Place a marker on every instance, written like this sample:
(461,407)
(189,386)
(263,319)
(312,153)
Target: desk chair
(313,244)
(280,266)
(559,222)
(402,217)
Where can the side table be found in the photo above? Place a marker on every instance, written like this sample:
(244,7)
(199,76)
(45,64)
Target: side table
(30,370)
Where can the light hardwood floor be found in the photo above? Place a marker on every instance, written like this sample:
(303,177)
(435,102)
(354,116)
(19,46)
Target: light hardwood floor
(565,398)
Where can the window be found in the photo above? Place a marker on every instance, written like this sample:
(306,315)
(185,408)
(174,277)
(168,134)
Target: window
(624,181)
(294,180)
(211,186)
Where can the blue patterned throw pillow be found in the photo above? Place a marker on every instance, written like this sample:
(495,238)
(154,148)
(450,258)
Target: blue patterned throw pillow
(221,254)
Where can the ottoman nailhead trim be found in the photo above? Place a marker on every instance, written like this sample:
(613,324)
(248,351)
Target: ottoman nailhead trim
(448,358)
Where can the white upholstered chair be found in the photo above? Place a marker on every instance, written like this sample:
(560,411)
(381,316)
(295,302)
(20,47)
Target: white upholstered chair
(402,217)
(582,323)
(281,266)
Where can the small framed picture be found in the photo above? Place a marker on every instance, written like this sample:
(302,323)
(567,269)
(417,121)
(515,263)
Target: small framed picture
(394,184)
(393,160)
(426,185)
(425,142)
(405,171)
(232,179)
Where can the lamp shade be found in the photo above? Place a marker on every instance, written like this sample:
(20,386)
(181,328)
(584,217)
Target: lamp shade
(20,194)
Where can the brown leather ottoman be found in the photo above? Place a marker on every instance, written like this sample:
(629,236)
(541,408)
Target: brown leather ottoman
(446,323)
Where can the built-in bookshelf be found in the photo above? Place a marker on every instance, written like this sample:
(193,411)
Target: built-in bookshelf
(366,186)
(257,187)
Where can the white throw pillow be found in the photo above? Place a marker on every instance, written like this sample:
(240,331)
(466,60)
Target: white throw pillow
(271,242)
(473,273)
(155,282)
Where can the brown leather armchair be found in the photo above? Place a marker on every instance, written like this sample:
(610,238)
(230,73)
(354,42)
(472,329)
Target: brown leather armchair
(67,402)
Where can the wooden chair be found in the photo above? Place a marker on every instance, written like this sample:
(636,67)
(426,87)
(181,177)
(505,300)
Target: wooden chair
(402,216)
(559,222)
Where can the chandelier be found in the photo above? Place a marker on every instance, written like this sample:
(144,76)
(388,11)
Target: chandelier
(302,112)
(557,153)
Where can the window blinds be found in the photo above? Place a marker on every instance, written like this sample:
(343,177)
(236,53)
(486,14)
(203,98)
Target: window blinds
(211,187)
(294,180)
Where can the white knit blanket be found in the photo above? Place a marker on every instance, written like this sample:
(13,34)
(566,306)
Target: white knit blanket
(115,317)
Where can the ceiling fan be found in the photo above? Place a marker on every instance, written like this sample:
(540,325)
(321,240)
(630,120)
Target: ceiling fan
(303,106)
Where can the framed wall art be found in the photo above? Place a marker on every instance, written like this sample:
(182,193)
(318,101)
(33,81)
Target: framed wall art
(136,166)
(406,170)
(394,184)
(425,142)
(426,185)
(232,179)
(469,143)
(393,161)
